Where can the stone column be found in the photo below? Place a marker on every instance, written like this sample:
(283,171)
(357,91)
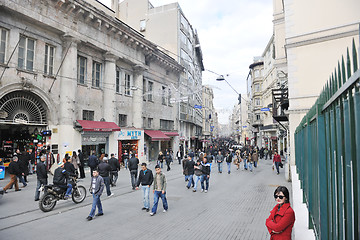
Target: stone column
(109,109)
(137,101)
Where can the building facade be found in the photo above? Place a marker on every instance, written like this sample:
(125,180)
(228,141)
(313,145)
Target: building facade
(77,78)
(209,115)
(168,27)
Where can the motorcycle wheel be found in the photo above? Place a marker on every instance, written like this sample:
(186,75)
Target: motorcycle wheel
(79,194)
(47,202)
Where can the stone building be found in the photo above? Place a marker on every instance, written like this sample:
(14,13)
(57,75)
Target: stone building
(75,78)
(209,115)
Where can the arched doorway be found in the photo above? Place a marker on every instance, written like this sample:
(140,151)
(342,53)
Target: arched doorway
(23,117)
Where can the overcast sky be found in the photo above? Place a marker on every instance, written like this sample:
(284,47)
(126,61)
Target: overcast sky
(231,33)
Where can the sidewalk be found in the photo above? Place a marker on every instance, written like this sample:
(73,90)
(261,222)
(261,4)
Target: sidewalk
(235,207)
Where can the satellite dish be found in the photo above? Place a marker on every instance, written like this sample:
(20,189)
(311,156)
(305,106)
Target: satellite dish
(102,120)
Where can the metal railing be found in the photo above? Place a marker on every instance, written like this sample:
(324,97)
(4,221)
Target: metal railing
(327,148)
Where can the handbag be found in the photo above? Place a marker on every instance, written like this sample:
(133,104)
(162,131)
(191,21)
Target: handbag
(281,165)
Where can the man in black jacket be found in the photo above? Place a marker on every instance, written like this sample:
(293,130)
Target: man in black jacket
(82,164)
(93,162)
(41,176)
(115,167)
(189,169)
(104,171)
(14,171)
(133,168)
(205,177)
(145,179)
(61,179)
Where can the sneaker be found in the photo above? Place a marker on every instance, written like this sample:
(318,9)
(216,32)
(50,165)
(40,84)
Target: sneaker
(202,190)
(144,208)
(37,200)
(112,194)
(147,210)
(17,190)
(164,211)
(206,191)
(99,214)
(152,214)
(194,190)
(89,218)
(187,187)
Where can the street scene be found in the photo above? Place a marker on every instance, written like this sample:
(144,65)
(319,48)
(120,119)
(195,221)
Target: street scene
(180,119)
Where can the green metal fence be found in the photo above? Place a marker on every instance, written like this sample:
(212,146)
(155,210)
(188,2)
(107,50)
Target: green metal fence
(327,151)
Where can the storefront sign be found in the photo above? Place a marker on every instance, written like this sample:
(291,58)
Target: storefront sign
(93,139)
(129,134)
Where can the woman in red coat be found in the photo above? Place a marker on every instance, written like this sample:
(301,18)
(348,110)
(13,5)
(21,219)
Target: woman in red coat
(277,161)
(282,217)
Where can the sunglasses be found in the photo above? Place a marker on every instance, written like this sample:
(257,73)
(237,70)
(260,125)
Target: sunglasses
(277,196)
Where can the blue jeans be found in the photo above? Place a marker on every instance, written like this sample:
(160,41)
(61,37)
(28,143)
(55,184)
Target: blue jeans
(21,179)
(250,166)
(245,165)
(146,191)
(277,166)
(197,178)
(204,178)
(96,203)
(255,163)
(157,195)
(126,163)
(107,185)
(38,185)
(228,166)
(68,190)
(220,166)
(191,180)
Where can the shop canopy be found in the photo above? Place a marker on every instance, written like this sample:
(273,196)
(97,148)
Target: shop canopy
(171,134)
(157,135)
(97,126)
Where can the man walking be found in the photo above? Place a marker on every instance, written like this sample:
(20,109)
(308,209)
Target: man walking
(168,159)
(229,161)
(97,187)
(104,171)
(159,190)
(146,178)
(93,162)
(198,173)
(219,159)
(14,171)
(115,168)
(205,177)
(42,176)
(189,169)
(82,164)
(133,168)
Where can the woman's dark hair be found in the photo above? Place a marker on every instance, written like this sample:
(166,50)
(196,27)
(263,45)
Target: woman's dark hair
(285,191)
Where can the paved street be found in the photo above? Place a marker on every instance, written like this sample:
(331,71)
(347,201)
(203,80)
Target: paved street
(235,207)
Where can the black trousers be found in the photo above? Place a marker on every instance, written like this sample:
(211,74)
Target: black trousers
(82,172)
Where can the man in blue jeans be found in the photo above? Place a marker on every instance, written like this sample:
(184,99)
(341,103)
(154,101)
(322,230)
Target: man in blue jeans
(219,159)
(159,190)
(205,177)
(146,178)
(189,169)
(97,187)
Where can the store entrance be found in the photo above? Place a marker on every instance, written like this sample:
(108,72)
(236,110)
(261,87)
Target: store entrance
(129,146)
(87,150)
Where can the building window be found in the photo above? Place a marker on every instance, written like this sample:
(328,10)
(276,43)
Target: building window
(127,79)
(3,40)
(81,69)
(144,90)
(163,96)
(150,91)
(96,74)
(257,101)
(144,122)
(257,87)
(149,122)
(49,59)
(117,81)
(257,117)
(166,124)
(122,120)
(88,115)
(26,53)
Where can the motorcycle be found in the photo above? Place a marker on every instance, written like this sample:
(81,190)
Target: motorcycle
(53,193)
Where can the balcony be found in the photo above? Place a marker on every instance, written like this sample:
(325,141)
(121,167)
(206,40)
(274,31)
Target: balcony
(280,104)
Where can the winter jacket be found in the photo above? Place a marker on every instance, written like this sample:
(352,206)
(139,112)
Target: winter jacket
(198,171)
(41,171)
(229,158)
(219,158)
(146,178)
(93,161)
(104,169)
(185,170)
(14,168)
(133,164)
(190,167)
(69,167)
(206,169)
(99,185)
(162,182)
(277,158)
(281,221)
(61,176)
(114,164)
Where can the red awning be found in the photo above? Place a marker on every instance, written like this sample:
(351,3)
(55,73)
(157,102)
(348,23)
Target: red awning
(157,135)
(98,126)
(171,134)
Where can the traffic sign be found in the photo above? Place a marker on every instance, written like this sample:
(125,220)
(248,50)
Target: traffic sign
(198,106)
(265,109)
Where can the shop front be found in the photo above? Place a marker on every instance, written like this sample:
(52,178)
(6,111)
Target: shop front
(131,140)
(156,141)
(96,137)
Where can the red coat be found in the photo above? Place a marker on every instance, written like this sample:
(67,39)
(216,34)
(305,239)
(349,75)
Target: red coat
(281,221)
(277,158)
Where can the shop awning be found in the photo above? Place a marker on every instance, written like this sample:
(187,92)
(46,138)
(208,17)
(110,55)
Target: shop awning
(157,135)
(171,134)
(97,126)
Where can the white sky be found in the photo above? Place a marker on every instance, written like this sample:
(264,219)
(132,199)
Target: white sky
(231,33)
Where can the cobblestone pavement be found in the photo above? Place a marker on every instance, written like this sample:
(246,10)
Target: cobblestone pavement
(235,207)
